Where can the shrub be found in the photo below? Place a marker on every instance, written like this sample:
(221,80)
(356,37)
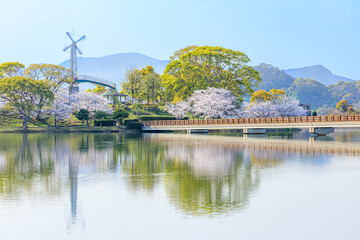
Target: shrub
(120,114)
(133,125)
(105,123)
(100,115)
(127,121)
(152,118)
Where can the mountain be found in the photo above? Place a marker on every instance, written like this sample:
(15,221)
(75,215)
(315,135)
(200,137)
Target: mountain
(113,67)
(317,72)
(307,89)
(273,77)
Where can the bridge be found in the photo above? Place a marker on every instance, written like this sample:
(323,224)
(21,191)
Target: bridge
(95,80)
(320,125)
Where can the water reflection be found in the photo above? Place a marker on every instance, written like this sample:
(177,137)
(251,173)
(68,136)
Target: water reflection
(201,175)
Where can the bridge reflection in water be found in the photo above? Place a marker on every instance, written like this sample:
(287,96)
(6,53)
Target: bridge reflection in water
(202,175)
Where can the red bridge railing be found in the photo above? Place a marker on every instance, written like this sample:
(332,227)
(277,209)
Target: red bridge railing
(269,120)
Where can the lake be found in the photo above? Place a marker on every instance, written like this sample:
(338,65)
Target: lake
(179,186)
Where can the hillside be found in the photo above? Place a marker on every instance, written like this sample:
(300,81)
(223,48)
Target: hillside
(317,72)
(273,77)
(113,67)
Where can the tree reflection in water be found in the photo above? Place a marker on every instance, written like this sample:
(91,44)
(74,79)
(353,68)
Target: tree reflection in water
(202,175)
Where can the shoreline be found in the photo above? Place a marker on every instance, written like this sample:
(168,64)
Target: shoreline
(72,129)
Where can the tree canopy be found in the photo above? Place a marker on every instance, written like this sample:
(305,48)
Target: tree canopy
(26,95)
(262,95)
(11,69)
(132,83)
(208,66)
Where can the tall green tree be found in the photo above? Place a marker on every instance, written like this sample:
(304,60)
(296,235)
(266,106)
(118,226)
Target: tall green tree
(181,52)
(56,74)
(151,86)
(26,95)
(208,66)
(132,83)
(11,69)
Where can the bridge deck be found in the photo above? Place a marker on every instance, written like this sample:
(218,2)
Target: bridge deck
(95,80)
(249,123)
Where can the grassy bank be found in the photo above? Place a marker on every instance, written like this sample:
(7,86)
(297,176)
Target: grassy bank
(68,129)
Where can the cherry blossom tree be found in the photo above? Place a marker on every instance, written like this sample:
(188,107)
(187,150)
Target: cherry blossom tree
(178,110)
(91,102)
(280,107)
(287,107)
(214,103)
(61,108)
(208,103)
(258,109)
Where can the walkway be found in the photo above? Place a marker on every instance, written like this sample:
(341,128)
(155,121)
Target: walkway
(314,124)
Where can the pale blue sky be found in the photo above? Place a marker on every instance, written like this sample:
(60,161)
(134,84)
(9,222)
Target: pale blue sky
(284,33)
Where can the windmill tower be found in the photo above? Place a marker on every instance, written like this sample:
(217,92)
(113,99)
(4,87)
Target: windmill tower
(73,61)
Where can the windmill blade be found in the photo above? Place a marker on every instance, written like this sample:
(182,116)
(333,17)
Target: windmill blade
(66,48)
(68,34)
(78,50)
(83,37)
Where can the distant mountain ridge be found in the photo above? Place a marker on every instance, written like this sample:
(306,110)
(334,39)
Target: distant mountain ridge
(317,72)
(113,67)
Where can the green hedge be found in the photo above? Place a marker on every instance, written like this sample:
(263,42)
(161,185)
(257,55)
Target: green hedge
(152,118)
(105,122)
(133,125)
(127,121)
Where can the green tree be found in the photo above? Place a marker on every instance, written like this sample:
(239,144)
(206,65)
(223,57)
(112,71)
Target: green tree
(342,106)
(182,51)
(26,95)
(7,114)
(56,74)
(132,83)
(260,96)
(314,114)
(82,115)
(98,90)
(151,86)
(11,69)
(263,95)
(120,114)
(100,115)
(209,67)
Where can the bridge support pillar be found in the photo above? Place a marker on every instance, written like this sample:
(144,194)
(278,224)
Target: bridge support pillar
(254,131)
(197,131)
(73,88)
(322,131)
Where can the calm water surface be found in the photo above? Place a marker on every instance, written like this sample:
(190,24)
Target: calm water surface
(178,186)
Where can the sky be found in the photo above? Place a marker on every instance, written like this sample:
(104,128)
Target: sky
(284,33)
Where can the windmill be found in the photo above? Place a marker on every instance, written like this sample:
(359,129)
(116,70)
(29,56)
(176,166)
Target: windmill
(73,54)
